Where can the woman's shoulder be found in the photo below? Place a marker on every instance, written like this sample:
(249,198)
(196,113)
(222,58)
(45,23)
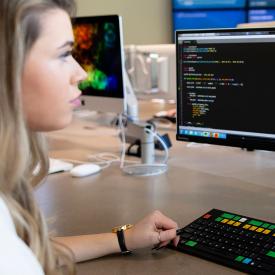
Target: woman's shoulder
(5,217)
(15,256)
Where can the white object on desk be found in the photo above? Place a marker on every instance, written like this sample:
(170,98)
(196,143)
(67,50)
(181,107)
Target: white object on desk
(57,165)
(85,170)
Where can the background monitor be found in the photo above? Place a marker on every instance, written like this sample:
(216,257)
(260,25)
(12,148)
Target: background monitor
(152,70)
(98,49)
(225,85)
(197,19)
(261,3)
(261,15)
(208,4)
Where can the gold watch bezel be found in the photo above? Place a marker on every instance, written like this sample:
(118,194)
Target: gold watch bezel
(121,227)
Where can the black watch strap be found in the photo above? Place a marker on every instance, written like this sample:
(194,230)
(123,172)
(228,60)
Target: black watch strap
(121,242)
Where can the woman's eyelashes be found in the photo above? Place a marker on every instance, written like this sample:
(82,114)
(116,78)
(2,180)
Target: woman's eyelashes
(66,54)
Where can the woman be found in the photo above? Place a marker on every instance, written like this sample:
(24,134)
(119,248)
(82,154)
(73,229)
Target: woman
(39,89)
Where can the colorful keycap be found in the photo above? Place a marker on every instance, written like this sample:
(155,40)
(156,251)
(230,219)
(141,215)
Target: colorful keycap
(239,258)
(253,228)
(271,254)
(260,229)
(265,225)
(246,226)
(191,243)
(228,216)
(255,223)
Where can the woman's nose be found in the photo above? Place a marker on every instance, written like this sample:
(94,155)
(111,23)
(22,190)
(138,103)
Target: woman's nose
(80,73)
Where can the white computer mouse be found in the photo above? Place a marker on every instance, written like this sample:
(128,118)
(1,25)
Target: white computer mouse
(85,170)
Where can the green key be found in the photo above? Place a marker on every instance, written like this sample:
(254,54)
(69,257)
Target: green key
(228,216)
(265,225)
(191,243)
(218,219)
(271,254)
(237,218)
(271,227)
(255,223)
(239,258)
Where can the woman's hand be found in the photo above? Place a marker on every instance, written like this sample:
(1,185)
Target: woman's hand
(154,229)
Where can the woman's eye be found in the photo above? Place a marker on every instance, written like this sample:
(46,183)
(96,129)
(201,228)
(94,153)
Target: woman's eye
(66,54)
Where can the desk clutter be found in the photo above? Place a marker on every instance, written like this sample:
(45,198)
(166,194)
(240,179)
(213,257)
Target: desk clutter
(234,240)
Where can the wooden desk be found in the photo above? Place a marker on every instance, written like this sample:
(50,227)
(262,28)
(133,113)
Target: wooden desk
(200,177)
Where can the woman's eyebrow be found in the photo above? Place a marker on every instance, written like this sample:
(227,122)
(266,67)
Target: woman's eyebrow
(67,43)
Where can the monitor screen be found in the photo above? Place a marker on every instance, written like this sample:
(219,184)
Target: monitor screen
(261,3)
(261,15)
(225,84)
(98,49)
(208,19)
(208,4)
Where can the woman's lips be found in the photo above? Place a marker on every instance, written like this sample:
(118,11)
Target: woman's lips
(76,102)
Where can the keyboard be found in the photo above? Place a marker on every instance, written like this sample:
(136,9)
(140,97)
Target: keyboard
(234,240)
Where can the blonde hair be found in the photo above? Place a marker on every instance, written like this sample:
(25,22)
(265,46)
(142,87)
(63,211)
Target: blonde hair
(21,149)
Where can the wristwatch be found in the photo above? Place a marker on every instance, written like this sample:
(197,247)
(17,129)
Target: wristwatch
(119,230)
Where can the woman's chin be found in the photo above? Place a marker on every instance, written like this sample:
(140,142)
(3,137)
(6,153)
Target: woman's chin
(55,125)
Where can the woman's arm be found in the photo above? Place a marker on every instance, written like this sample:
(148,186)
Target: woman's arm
(86,247)
(154,229)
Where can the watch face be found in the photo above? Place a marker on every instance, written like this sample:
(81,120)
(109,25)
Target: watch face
(121,227)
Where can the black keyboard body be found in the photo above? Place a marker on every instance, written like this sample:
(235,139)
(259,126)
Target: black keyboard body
(234,240)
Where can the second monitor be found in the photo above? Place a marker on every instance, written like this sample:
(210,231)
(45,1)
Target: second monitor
(98,49)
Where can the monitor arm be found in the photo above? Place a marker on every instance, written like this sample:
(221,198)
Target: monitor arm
(131,100)
(143,132)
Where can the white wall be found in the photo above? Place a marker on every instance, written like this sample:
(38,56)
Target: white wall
(144,21)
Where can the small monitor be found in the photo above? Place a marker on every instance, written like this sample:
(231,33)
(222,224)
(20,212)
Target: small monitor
(225,85)
(98,49)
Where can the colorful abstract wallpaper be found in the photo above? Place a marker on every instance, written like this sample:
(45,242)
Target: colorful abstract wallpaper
(97,50)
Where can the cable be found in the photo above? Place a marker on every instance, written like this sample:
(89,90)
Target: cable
(105,159)
(123,141)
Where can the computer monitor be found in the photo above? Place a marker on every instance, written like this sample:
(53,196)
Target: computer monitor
(195,19)
(152,70)
(261,15)
(209,4)
(225,85)
(261,3)
(98,49)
